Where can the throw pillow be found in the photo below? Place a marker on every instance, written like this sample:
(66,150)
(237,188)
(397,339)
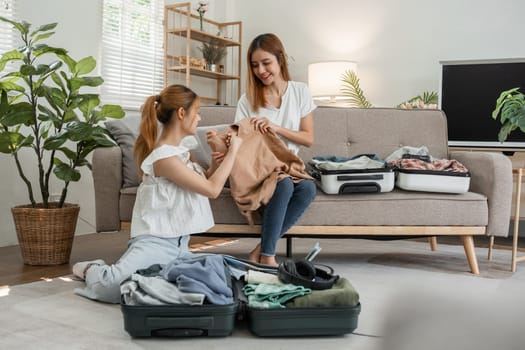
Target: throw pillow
(125,132)
(201,151)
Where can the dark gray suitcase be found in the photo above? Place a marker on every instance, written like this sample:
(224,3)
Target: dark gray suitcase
(315,321)
(303,321)
(179,320)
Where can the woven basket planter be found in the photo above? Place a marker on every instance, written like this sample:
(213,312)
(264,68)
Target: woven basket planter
(45,235)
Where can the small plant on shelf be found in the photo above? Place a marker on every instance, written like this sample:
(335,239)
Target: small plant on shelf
(212,53)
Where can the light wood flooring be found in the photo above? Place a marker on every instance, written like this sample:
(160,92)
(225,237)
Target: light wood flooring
(110,246)
(106,246)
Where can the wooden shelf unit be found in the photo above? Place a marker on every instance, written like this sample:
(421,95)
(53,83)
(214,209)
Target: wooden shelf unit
(181,34)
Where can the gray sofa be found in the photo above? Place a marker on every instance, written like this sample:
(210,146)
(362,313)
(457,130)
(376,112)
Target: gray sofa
(485,210)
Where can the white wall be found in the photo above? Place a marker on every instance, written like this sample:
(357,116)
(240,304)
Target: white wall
(397,45)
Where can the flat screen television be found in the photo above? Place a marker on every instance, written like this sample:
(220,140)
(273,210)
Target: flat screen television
(468,94)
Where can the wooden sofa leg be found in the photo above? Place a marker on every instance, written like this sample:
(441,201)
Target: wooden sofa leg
(433,243)
(491,248)
(468,244)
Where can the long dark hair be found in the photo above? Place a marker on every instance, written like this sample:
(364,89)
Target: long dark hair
(160,108)
(254,87)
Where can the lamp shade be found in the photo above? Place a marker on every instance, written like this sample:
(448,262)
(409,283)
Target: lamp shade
(324,78)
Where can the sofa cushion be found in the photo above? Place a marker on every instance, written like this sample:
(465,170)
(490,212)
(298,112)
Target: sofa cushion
(125,131)
(200,150)
(396,208)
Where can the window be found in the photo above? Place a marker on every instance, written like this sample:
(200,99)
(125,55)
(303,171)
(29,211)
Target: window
(7,33)
(132,51)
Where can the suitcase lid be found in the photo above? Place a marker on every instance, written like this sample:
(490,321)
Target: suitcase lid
(385,169)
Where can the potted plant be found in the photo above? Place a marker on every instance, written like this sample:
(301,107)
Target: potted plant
(212,53)
(428,99)
(352,90)
(44,113)
(510,106)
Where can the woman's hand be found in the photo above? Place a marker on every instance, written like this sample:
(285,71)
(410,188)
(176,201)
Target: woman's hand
(262,124)
(231,141)
(217,157)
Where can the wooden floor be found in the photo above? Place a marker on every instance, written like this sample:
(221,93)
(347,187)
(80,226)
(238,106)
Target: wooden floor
(106,246)
(110,246)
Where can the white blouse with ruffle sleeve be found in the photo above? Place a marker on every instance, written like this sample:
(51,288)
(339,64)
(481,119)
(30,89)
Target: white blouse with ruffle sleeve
(164,209)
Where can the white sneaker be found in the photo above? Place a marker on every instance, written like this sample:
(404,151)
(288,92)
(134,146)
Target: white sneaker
(80,268)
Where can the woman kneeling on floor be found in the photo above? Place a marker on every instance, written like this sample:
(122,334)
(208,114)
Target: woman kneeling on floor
(172,200)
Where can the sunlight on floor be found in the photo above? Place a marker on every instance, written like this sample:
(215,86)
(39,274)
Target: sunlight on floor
(210,244)
(63,278)
(4,291)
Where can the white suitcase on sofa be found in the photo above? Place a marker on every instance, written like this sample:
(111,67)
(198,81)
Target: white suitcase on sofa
(432,181)
(354,180)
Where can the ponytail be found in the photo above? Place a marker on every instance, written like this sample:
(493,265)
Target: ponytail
(160,108)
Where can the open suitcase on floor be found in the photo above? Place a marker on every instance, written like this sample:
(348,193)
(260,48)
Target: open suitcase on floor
(353,180)
(143,295)
(305,321)
(220,320)
(180,320)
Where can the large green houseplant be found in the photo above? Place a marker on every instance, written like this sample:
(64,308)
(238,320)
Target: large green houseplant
(44,112)
(510,107)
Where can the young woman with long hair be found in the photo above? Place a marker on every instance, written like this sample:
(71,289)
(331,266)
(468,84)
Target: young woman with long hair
(273,101)
(172,200)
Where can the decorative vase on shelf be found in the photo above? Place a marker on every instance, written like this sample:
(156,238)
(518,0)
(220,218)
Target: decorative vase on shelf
(201,18)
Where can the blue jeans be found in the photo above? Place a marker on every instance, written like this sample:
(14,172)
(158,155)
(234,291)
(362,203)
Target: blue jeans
(282,211)
(103,281)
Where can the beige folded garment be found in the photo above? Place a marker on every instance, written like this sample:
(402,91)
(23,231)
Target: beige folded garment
(257,277)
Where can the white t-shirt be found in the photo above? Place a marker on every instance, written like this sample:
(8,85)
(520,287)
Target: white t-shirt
(164,209)
(296,103)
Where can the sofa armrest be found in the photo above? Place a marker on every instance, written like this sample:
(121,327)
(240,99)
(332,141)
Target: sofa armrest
(491,175)
(107,180)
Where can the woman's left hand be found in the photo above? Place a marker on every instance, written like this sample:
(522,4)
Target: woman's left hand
(262,124)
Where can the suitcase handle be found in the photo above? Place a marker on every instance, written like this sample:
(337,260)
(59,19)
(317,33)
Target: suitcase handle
(364,187)
(178,332)
(359,177)
(204,322)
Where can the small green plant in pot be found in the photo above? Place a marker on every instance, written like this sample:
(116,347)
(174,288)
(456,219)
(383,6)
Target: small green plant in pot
(44,112)
(510,107)
(213,54)
(352,90)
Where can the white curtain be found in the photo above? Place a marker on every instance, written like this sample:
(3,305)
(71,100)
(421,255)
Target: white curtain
(7,33)
(132,51)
